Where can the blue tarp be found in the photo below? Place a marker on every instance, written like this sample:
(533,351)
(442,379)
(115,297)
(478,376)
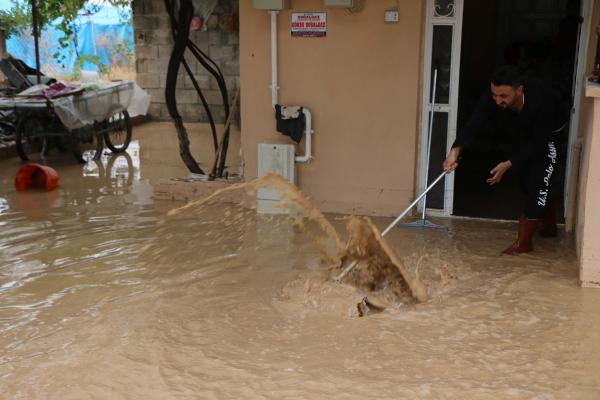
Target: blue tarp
(111,26)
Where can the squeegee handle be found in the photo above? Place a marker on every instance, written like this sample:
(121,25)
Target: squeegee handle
(353,263)
(439,178)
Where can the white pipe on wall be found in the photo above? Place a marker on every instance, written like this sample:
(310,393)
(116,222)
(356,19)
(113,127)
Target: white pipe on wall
(274,84)
(307,137)
(275,92)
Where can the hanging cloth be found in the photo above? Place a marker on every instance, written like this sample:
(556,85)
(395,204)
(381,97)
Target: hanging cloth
(291,121)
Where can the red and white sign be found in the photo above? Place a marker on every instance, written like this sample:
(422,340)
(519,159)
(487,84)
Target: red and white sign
(306,24)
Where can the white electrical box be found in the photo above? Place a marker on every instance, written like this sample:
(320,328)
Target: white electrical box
(278,159)
(271,4)
(339,3)
(391,16)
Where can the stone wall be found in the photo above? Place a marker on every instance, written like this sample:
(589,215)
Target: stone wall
(218,39)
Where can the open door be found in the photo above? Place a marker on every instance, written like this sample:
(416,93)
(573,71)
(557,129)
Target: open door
(466,40)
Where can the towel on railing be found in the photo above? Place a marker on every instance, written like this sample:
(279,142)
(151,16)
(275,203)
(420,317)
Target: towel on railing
(290,121)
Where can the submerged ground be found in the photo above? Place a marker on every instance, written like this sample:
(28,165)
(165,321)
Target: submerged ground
(102,296)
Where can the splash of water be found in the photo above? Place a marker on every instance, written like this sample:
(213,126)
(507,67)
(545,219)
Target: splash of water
(379,271)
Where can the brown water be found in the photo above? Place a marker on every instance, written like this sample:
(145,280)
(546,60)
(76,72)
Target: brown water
(368,262)
(104,297)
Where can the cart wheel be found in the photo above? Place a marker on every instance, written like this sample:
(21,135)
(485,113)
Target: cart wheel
(119,135)
(119,169)
(87,148)
(28,141)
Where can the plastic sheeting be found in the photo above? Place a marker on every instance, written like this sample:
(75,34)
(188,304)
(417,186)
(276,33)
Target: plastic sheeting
(95,105)
(97,34)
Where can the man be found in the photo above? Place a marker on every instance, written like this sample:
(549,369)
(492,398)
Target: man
(536,117)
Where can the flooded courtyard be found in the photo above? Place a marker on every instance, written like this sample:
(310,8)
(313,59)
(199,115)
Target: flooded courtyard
(103,295)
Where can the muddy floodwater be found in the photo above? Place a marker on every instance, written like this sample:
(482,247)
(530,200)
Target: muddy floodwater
(104,296)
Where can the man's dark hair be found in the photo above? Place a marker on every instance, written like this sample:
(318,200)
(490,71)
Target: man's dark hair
(508,75)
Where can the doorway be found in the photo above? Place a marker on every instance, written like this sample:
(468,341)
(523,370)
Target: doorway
(541,38)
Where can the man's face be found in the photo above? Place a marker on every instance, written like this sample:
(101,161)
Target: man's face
(506,96)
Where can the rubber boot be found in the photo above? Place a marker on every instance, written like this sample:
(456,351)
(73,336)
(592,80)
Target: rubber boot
(548,226)
(524,244)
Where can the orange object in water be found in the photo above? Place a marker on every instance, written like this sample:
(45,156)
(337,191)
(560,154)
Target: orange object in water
(36,176)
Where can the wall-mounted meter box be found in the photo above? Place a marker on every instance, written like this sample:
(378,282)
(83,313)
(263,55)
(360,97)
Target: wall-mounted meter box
(271,4)
(391,16)
(339,3)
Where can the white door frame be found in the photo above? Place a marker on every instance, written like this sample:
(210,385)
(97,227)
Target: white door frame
(451,108)
(587,7)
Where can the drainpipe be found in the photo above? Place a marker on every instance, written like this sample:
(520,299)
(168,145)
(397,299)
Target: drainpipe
(307,137)
(274,87)
(275,90)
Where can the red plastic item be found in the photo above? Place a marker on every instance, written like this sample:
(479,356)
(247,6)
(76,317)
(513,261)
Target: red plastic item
(36,176)
(196,23)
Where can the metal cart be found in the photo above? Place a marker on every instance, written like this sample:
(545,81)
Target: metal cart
(80,121)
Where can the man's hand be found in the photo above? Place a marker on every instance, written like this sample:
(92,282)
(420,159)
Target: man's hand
(451,161)
(498,171)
